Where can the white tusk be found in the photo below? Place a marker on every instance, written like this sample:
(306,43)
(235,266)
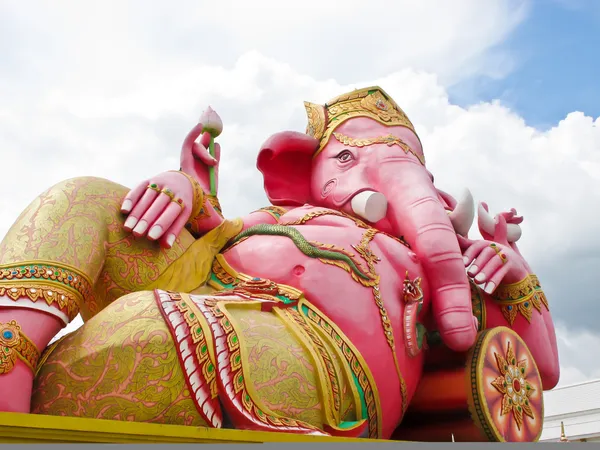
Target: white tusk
(463,214)
(370,205)
(487,224)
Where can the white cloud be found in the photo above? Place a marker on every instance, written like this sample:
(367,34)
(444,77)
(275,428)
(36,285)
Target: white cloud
(111,92)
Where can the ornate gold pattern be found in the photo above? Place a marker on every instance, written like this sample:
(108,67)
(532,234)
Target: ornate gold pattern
(275,211)
(352,356)
(513,385)
(15,344)
(242,283)
(372,281)
(370,102)
(61,299)
(121,365)
(199,211)
(222,274)
(316,119)
(236,386)
(357,365)
(331,212)
(478,305)
(281,368)
(390,140)
(371,259)
(520,298)
(332,386)
(78,225)
(214,201)
(414,332)
(203,343)
(64,276)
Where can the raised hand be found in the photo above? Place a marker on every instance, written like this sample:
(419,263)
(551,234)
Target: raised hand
(161,206)
(196,159)
(487,224)
(493,262)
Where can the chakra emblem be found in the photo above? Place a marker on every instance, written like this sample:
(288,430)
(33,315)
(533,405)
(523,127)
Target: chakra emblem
(514,386)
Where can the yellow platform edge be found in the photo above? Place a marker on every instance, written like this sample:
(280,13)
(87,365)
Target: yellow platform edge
(37,428)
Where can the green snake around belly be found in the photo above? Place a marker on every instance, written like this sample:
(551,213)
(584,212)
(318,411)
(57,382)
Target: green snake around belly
(301,243)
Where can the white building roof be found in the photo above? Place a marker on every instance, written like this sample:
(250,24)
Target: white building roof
(577,406)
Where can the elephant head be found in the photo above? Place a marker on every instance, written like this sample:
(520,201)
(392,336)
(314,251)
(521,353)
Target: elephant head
(361,155)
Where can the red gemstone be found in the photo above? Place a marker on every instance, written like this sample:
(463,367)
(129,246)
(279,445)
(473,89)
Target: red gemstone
(516,385)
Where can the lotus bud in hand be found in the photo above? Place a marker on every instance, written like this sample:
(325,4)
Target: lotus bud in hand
(213,125)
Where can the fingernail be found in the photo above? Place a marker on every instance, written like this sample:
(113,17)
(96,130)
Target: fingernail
(489,288)
(141,227)
(480,277)
(130,222)
(154,233)
(476,322)
(465,260)
(170,239)
(126,207)
(473,269)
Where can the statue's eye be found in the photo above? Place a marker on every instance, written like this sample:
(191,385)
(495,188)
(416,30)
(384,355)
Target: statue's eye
(345,156)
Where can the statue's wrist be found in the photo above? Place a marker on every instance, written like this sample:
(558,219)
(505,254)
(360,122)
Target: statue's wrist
(510,291)
(197,193)
(206,211)
(521,290)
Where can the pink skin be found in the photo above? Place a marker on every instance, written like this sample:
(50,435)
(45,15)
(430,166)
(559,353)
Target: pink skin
(414,212)
(334,292)
(153,214)
(40,327)
(486,268)
(293,177)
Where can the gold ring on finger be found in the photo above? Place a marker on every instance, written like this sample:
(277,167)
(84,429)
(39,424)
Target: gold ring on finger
(168,192)
(154,187)
(179,202)
(502,257)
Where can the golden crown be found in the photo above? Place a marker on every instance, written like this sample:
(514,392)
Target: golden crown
(372,102)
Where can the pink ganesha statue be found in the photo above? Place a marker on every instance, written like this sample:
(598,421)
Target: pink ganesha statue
(354,305)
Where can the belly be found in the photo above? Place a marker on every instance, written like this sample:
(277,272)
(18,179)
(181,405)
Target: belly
(344,280)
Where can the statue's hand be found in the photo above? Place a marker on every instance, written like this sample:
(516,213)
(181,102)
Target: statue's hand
(487,225)
(493,262)
(196,159)
(159,207)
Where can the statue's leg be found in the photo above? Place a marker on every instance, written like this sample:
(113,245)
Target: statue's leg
(66,254)
(121,365)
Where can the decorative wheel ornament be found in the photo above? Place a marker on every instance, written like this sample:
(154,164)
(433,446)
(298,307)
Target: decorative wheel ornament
(505,388)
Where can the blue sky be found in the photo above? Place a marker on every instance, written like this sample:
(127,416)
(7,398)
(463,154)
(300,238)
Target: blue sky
(557,51)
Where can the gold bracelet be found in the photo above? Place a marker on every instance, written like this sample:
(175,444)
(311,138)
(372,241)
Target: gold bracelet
(214,201)
(15,344)
(522,298)
(515,291)
(199,197)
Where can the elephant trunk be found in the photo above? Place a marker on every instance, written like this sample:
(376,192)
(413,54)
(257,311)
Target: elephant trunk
(416,213)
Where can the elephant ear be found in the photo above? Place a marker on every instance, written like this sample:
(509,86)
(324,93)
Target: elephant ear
(285,160)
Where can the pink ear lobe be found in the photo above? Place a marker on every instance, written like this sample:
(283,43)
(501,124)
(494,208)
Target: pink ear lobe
(285,160)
